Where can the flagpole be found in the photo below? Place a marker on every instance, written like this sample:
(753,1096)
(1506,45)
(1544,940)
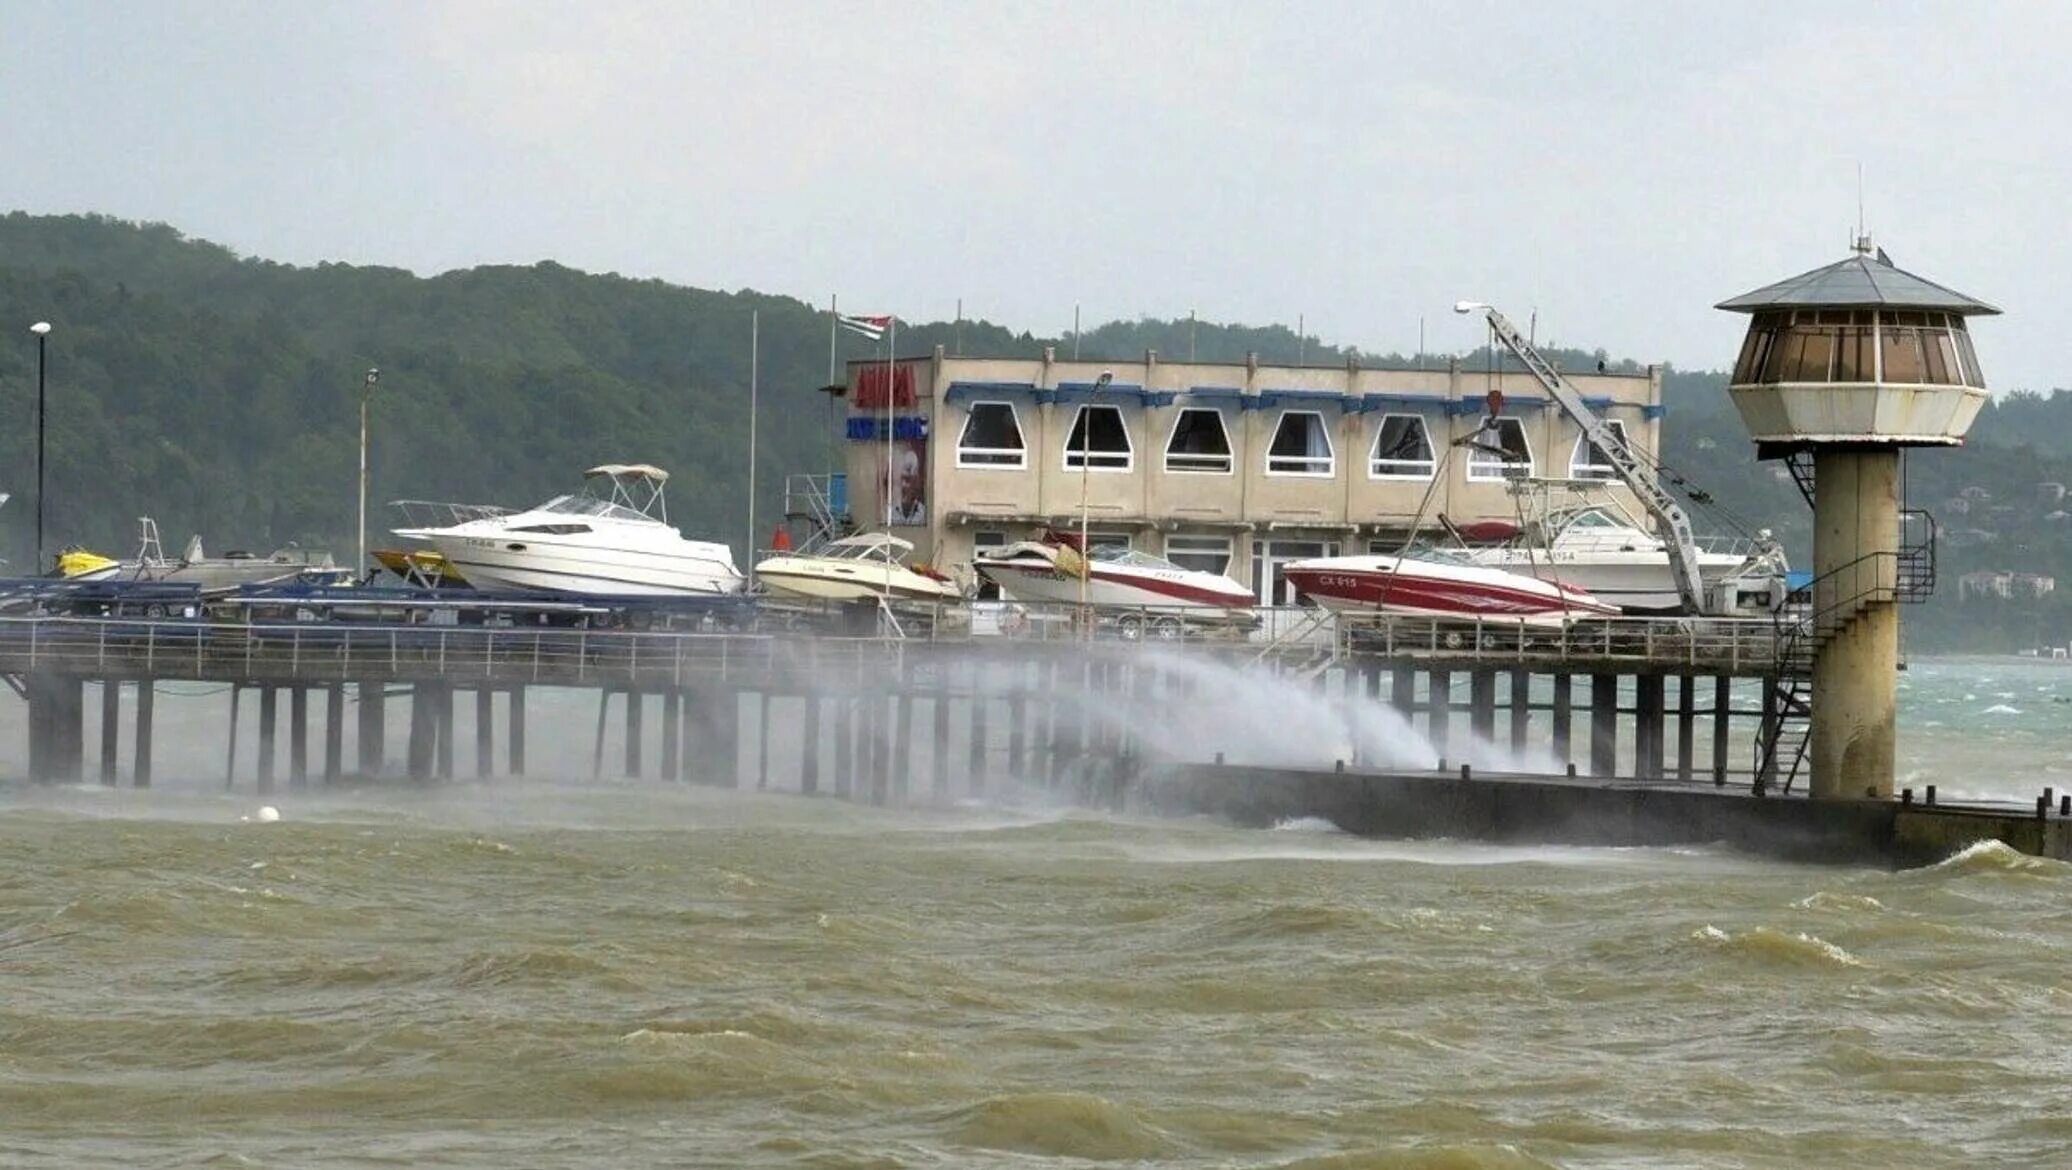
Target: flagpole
(891,356)
(754,373)
(833,440)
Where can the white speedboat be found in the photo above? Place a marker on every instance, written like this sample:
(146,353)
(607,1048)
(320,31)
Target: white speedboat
(1609,556)
(1435,584)
(1050,571)
(617,543)
(867,566)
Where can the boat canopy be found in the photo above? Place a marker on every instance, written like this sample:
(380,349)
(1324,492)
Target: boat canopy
(865,544)
(645,471)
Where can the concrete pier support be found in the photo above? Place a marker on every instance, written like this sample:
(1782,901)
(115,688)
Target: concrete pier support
(809,748)
(845,746)
(1604,725)
(424,733)
(57,727)
(1564,718)
(763,703)
(1017,732)
(298,737)
(442,753)
(1403,690)
(111,728)
(373,728)
(1521,710)
(1649,725)
(981,757)
(939,748)
(1439,709)
(269,712)
(1722,732)
(636,709)
(147,701)
(1482,705)
(1686,726)
(485,733)
(334,732)
(902,743)
(514,750)
(1856,622)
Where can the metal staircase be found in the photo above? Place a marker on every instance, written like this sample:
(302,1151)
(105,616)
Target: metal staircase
(1906,576)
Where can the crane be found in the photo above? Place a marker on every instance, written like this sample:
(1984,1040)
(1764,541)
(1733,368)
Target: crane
(1683,547)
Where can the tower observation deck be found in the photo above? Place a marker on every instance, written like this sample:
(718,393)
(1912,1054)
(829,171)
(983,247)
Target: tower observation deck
(1851,363)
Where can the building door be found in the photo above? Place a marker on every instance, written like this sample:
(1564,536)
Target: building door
(1270,557)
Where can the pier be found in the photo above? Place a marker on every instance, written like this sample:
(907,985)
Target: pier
(1642,725)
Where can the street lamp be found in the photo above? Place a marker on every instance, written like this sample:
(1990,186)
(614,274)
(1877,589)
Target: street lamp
(366,396)
(1086,436)
(42,331)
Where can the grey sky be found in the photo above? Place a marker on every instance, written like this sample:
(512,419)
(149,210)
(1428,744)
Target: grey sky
(1618,166)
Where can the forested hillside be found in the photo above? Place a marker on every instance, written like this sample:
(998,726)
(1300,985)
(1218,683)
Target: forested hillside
(219,394)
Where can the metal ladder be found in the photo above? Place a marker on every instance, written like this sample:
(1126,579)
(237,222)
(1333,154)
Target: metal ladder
(1782,741)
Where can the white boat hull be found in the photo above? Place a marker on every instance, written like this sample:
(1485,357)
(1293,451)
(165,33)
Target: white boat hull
(528,562)
(1193,594)
(1636,581)
(1382,584)
(822,579)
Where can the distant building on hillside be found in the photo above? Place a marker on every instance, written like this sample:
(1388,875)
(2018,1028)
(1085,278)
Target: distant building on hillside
(1235,469)
(2005,584)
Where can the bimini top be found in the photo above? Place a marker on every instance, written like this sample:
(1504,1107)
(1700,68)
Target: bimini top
(635,470)
(1863,281)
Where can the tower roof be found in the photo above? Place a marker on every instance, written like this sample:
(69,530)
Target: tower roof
(1862,281)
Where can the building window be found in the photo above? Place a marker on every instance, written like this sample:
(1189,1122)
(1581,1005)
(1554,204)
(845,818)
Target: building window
(1301,445)
(1403,449)
(992,438)
(988,538)
(1587,461)
(1500,453)
(1199,442)
(1099,441)
(1121,541)
(1203,554)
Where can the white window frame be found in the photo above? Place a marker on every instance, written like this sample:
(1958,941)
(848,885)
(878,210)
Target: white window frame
(1229,457)
(1481,472)
(1203,544)
(1330,470)
(1094,464)
(1374,459)
(1596,471)
(1021,462)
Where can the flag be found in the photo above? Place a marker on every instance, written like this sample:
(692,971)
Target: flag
(873,327)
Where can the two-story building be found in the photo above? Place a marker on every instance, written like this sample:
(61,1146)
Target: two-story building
(1236,469)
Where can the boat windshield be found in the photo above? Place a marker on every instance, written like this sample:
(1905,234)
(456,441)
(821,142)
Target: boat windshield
(1438,556)
(1109,554)
(580,505)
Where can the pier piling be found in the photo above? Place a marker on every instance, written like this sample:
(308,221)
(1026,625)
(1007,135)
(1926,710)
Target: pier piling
(111,728)
(269,711)
(373,720)
(298,737)
(1604,725)
(147,699)
(334,732)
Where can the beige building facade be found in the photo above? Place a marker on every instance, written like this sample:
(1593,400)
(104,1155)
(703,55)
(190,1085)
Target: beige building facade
(1236,469)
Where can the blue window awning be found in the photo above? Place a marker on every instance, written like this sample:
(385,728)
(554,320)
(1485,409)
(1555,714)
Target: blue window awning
(968,391)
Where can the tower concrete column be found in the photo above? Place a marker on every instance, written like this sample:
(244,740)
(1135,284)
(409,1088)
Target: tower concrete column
(1856,622)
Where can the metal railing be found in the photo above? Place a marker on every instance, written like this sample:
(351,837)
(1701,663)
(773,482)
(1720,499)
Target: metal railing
(317,652)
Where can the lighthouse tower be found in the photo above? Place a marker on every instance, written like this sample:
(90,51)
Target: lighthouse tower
(1849,364)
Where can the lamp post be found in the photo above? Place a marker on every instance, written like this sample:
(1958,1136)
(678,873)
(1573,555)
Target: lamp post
(42,331)
(366,396)
(1086,435)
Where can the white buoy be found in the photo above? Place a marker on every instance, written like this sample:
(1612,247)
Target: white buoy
(268,814)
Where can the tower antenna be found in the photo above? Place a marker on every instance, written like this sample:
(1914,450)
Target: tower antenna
(1863,237)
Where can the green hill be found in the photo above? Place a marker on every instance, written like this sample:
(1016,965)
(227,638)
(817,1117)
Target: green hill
(219,393)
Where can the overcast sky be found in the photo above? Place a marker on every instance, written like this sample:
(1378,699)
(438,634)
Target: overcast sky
(1619,167)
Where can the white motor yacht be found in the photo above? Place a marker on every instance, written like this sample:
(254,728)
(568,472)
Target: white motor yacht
(613,539)
(1596,548)
(867,566)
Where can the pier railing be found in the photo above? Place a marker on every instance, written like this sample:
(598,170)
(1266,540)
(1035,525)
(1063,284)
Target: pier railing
(316,652)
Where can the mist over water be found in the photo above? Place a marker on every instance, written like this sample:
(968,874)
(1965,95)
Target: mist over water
(563,972)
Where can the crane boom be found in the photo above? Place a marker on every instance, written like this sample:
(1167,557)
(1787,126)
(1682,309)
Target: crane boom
(1683,547)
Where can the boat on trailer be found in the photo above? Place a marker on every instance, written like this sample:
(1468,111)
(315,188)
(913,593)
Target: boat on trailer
(611,539)
(1050,570)
(868,566)
(1429,583)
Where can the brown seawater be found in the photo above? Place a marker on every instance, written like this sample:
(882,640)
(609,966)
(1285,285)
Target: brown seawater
(577,975)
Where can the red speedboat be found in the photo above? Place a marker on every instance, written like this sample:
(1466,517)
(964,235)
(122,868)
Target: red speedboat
(1432,584)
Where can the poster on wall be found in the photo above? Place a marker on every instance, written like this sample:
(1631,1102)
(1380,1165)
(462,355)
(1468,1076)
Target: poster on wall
(903,479)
